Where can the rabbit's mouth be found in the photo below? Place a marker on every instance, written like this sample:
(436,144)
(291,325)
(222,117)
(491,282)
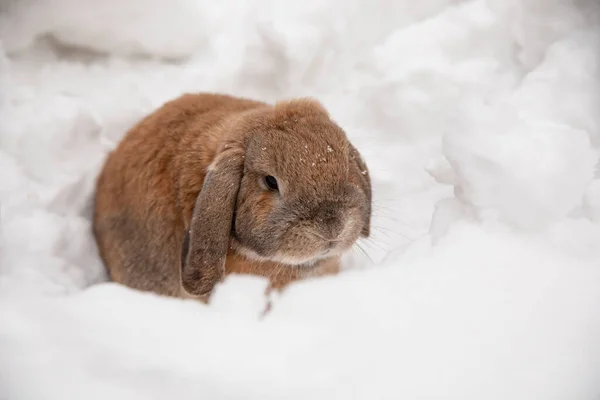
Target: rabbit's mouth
(293,261)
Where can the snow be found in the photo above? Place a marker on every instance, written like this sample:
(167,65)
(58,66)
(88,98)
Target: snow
(479,120)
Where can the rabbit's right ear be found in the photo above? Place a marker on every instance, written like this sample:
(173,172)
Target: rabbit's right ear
(204,264)
(360,172)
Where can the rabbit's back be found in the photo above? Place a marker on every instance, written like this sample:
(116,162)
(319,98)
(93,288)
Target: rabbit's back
(148,185)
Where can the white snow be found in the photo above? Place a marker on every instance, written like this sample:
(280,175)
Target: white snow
(480,122)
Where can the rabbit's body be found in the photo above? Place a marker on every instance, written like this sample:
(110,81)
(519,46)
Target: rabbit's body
(152,190)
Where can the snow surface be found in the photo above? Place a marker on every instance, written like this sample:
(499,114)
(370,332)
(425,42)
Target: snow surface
(480,121)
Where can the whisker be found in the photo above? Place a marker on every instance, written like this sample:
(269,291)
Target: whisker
(356,250)
(380,231)
(376,207)
(380,199)
(384,231)
(387,217)
(367,241)
(394,232)
(274,273)
(384,211)
(319,236)
(390,214)
(382,228)
(278,272)
(364,252)
(395,220)
(379,209)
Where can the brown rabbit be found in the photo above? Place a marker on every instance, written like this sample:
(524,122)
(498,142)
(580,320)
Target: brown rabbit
(212,184)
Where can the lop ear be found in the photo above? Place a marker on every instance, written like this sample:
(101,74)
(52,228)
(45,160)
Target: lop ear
(204,264)
(360,173)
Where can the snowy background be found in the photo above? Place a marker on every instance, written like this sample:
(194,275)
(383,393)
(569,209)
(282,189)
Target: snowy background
(480,121)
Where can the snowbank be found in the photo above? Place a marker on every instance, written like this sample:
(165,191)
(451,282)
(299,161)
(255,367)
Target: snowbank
(480,121)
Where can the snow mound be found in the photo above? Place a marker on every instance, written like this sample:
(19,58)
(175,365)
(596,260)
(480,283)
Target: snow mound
(480,123)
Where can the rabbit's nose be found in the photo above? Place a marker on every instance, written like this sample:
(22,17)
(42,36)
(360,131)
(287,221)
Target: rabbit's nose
(329,220)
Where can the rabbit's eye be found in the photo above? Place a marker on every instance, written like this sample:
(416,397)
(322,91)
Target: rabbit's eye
(271,182)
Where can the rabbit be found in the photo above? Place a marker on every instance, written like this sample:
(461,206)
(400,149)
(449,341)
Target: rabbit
(211,184)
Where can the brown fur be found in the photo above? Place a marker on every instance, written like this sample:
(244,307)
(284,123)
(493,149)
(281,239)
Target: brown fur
(196,164)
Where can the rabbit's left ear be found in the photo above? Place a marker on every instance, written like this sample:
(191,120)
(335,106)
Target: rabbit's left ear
(360,173)
(204,252)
